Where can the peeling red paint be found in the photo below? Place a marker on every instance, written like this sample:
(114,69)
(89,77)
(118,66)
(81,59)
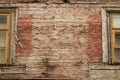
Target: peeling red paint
(24,30)
(95,38)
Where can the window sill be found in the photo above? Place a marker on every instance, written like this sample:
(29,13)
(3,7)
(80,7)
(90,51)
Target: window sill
(11,65)
(104,66)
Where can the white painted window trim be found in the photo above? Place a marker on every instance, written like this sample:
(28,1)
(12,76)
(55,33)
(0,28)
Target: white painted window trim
(104,35)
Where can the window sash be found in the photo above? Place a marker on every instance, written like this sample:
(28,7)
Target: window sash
(114,46)
(115,33)
(7,30)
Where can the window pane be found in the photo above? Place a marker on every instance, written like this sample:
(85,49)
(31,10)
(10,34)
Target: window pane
(116,21)
(2,39)
(2,46)
(117,54)
(2,55)
(3,21)
(117,38)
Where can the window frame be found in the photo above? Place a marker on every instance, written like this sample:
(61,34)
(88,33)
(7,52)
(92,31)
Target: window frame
(12,23)
(113,40)
(107,34)
(7,30)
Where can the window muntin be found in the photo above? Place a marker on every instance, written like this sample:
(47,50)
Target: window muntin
(5,38)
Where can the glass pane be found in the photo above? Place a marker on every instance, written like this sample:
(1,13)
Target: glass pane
(3,21)
(117,38)
(117,55)
(2,46)
(116,21)
(2,39)
(2,55)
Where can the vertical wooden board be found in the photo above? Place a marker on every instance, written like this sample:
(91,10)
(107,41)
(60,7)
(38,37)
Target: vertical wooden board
(7,57)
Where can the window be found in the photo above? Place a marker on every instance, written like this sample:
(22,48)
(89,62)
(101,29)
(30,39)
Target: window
(115,37)
(4,38)
(7,36)
(111,35)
